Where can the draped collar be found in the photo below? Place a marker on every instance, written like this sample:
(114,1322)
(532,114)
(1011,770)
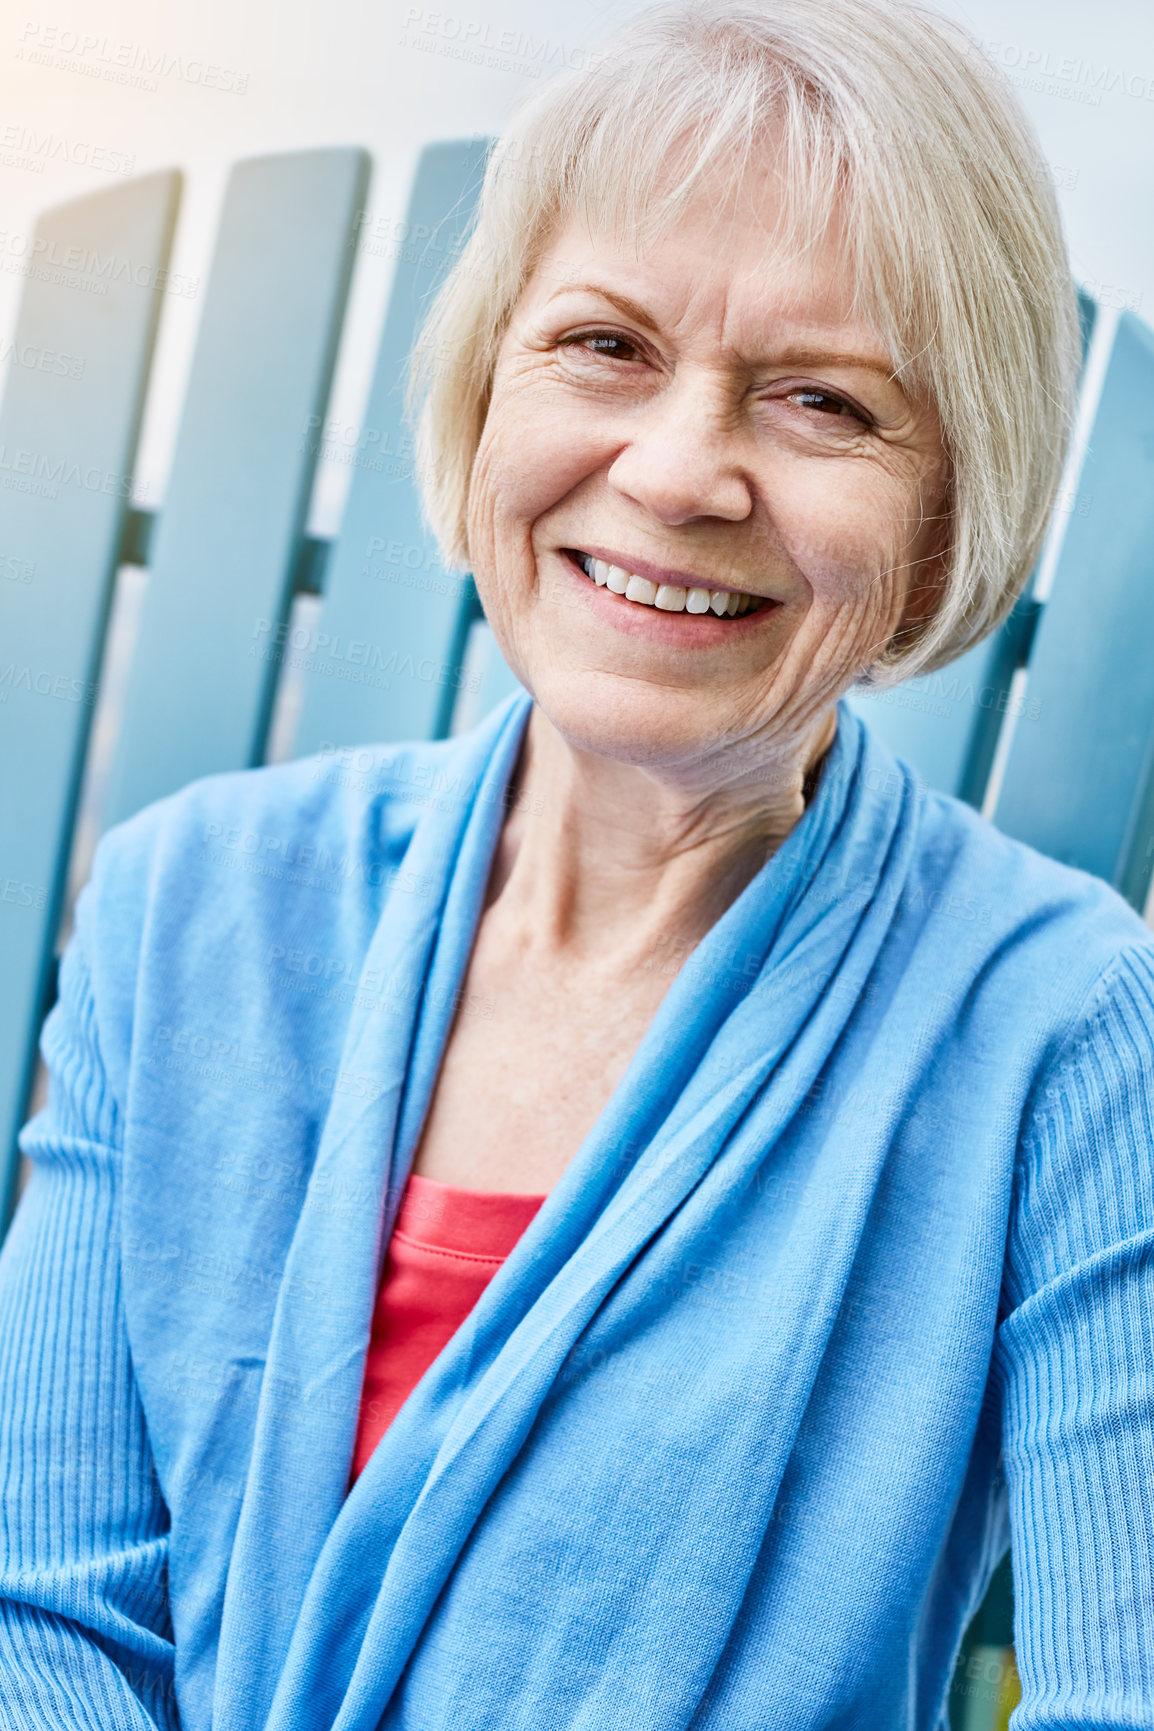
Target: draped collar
(328,1594)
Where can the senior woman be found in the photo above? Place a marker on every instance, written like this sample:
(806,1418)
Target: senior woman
(629,1258)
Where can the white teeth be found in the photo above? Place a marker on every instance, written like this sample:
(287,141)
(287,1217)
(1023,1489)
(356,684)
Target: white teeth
(670,598)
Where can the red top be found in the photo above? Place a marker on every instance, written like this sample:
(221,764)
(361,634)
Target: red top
(446,1247)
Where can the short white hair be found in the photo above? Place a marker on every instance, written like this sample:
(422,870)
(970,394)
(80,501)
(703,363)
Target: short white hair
(953,230)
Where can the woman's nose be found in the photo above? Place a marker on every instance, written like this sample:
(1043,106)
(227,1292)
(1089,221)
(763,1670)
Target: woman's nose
(682,462)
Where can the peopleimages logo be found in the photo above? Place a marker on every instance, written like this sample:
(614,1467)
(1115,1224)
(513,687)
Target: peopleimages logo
(36,359)
(129,63)
(34,149)
(352,658)
(474,40)
(1082,80)
(48,471)
(85,268)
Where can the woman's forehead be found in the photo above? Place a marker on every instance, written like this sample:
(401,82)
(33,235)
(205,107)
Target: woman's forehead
(707,271)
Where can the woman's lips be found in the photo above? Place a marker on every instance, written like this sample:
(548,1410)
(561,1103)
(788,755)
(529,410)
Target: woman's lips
(690,602)
(645,568)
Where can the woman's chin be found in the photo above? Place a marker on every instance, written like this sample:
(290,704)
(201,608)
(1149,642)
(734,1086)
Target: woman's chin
(629,720)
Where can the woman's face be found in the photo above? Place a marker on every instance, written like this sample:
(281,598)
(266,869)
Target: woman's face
(704,416)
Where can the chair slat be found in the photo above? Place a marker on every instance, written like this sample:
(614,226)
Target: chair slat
(204,669)
(1078,782)
(386,659)
(948,724)
(941,722)
(68,433)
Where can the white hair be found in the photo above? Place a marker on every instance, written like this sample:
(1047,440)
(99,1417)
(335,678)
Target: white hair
(953,231)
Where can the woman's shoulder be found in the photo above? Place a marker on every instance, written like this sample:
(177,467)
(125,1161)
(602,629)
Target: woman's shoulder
(1068,937)
(294,852)
(969,888)
(300,816)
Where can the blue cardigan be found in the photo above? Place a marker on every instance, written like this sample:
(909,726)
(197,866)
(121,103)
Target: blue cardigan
(849,1285)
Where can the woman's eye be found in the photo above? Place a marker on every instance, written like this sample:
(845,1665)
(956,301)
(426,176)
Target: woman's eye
(826,404)
(605,344)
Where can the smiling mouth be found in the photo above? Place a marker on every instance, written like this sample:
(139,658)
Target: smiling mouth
(667,597)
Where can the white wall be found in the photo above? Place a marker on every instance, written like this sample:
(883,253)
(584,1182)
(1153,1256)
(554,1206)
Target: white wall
(239,77)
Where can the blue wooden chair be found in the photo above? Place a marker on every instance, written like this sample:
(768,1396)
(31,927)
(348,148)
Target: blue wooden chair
(1048,726)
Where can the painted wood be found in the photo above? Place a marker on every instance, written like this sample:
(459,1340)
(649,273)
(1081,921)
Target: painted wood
(1079,781)
(948,724)
(229,533)
(388,659)
(96,277)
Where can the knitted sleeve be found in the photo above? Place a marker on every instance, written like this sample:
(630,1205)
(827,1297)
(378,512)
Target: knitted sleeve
(1075,1356)
(85,1636)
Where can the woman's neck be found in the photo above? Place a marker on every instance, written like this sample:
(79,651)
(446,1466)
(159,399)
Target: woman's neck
(608,863)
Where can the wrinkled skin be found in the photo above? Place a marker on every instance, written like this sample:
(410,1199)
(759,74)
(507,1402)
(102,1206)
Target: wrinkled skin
(715,409)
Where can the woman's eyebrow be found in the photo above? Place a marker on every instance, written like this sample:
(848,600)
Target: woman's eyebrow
(631,308)
(809,355)
(795,355)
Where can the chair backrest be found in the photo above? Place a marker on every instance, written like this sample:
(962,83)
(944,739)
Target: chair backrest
(1079,778)
(391,616)
(949,723)
(223,551)
(68,430)
(1048,725)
